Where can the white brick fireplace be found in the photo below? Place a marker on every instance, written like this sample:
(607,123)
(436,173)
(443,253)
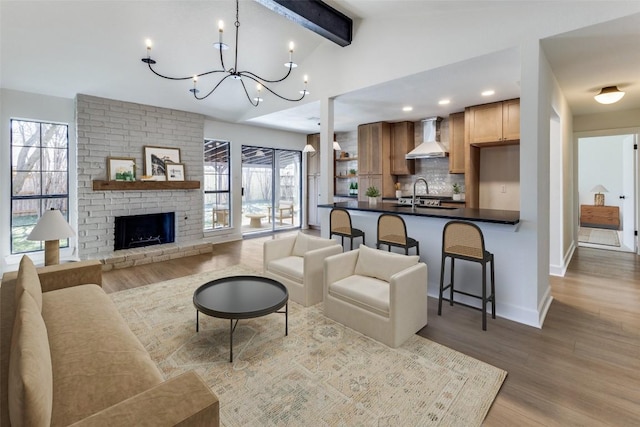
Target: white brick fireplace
(115,128)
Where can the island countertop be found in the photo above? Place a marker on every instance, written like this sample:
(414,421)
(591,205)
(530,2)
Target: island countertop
(495,216)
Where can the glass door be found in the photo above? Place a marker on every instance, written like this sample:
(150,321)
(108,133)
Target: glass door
(271,188)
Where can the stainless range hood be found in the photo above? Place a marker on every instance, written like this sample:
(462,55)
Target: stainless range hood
(431,147)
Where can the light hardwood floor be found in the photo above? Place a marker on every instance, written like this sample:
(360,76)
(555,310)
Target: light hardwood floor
(582,368)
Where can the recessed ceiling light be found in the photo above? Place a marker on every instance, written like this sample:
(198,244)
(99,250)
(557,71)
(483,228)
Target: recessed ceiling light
(488,92)
(444,102)
(407,108)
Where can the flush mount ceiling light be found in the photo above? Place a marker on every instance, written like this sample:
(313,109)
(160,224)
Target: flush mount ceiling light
(609,95)
(233,72)
(444,102)
(407,108)
(488,93)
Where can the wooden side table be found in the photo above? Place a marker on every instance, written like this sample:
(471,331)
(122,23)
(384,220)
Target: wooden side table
(600,216)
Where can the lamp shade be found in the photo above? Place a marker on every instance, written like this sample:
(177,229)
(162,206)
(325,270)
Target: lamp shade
(609,95)
(599,189)
(336,146)
(51,226)
(308,149)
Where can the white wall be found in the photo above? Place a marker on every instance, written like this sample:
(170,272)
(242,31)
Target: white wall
(609,120)
(600,162)
(240,135)
(23,105)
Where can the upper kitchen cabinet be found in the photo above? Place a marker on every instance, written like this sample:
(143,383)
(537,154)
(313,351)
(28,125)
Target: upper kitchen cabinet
(456,142)
(374,158)
(402,141)
(313,159)
(492,124)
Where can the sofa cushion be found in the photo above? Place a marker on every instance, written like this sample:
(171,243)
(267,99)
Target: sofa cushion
(28,281)
(305,243)
(366,292)
(290,267)
(97,361)
(381,264)
(30,373)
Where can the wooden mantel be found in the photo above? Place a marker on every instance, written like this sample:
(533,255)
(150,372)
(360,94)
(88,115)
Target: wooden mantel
(102,185)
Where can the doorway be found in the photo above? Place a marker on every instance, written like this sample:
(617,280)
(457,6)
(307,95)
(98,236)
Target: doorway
(271,190)
(607,186)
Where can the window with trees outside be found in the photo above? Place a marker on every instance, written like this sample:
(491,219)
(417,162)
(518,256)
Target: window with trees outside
(217,173)
(39,178)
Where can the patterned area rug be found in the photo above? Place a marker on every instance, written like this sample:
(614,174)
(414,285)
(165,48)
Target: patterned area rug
(321,374)
(600,236)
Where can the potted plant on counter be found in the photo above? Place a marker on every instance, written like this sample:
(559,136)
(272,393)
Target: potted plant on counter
(457,192)
(373,193)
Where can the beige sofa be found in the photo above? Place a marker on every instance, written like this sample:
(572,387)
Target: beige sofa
(68,357)
(296,262)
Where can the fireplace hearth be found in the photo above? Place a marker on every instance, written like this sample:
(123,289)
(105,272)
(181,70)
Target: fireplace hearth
(135,231)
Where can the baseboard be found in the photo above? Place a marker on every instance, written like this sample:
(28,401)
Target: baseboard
(560,270)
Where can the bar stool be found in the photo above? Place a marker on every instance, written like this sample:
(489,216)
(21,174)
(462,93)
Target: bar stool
(464,240)
(340,225)
(392,231)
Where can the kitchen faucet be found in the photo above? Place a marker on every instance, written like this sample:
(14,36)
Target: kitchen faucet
(413,198)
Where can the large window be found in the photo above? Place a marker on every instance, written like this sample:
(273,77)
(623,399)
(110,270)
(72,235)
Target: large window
(217,209)
(39,178)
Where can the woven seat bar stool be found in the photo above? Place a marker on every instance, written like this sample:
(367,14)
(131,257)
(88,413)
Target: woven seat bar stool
(464,240)
(340,225)
(392,231)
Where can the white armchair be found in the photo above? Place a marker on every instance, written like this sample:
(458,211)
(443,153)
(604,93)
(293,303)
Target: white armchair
(297,262)
(380,294)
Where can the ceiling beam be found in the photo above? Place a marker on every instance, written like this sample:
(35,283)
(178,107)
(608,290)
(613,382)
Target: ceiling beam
(317,16)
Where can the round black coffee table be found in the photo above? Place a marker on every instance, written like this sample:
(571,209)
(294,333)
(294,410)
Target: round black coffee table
(241,297)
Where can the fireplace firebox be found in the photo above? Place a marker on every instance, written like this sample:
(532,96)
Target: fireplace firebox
(135,231)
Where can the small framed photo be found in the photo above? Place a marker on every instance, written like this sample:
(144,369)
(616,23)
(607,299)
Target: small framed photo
(175,171)
(121,168)
(155,159)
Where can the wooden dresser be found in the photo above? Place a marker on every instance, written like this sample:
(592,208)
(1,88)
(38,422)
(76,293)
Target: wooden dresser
(600,216)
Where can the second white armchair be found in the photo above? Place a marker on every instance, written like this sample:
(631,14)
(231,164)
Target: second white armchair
(297,263)
(380,294)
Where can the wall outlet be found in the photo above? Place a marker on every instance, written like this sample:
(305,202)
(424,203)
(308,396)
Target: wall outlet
(503,188)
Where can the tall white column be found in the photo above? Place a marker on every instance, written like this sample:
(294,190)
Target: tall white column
(326,151)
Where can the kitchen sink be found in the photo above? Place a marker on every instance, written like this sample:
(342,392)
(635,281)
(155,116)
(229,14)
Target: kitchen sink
(398,205)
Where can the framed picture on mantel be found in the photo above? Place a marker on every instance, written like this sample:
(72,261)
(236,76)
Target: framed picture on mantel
(121,168)
(175,171)
(156,159)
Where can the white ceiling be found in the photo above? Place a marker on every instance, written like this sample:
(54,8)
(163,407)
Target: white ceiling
(64,48)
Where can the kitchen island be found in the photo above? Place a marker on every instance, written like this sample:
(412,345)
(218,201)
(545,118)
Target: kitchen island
(425,224)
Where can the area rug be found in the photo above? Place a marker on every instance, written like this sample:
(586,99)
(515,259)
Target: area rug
(321,374)
(599,236)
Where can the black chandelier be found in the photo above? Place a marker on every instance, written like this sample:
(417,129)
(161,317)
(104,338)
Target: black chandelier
(233,72)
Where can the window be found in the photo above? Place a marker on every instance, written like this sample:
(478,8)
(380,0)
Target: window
(39,178)
(217,213)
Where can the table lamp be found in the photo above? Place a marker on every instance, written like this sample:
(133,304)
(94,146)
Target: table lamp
(598,199)
(51,227)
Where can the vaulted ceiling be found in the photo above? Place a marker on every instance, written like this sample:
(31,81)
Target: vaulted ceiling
(64,48)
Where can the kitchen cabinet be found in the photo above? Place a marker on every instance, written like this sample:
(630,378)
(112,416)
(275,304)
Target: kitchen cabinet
(600,216)
(456,142)
(366,181)
(374,159)
(402,141)
(492,124)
